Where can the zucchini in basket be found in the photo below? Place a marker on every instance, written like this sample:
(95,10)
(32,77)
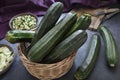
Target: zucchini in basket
(48,21)
(82,23)
(67,47)
(43,47)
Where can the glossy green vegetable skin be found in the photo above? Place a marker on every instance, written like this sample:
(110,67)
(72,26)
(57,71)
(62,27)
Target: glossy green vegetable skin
(82,22)
(89,62)
(50,39)
(48,21)
(16,36)
(111,47)
(67,47)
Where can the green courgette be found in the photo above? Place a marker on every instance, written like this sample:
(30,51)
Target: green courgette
(89,62)
(42,48)
(16,36)
(111,47)
(82,22)
(67,47)
(48,21)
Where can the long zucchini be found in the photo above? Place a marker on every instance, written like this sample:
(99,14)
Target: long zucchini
(48,21)
(89,62)
(111,47)
(42,48)
(67,46)
(15,36)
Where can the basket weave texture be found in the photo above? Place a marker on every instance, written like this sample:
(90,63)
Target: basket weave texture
(46,71)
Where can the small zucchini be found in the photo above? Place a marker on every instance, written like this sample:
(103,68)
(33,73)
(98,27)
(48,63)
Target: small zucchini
(66,47)
(86,22)
(111,47)
(15,36)
(89,62)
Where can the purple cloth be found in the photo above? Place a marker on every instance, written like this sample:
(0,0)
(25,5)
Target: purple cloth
(9,8)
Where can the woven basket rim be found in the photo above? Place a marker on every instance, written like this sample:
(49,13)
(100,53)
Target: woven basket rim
(34,63)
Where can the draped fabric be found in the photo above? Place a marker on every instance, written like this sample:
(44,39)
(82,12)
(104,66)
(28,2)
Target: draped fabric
(9,8)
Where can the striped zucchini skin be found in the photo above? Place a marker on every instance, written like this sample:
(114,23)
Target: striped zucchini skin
(48,21)
(15,36)
(111,47)
(51,38)
(86,22)
(82,22)
(66,47)
(89,62)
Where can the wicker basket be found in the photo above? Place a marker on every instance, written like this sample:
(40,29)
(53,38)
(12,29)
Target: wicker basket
(46,71)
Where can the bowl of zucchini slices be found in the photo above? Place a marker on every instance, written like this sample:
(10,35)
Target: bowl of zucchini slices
(6,58)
